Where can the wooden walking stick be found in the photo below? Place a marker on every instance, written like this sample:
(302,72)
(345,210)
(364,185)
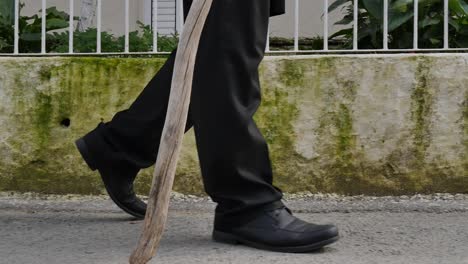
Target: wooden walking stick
(172,134)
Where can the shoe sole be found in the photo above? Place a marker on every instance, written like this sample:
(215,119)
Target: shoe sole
(83,149)
(235,240)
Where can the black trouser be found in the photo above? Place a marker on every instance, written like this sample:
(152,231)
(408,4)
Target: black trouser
(233,154)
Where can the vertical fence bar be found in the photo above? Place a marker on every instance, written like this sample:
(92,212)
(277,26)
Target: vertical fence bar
(16,37)
(325,25)
(71,26)
(356,24)
(296,25)
(180,15)
(446,24)
(385,25)
(127,25)
(43,26)
(155,25)
(416,24)
(267,48)
(98,26)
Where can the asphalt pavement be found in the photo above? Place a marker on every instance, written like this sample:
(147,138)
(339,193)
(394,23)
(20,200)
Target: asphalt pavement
(53,229)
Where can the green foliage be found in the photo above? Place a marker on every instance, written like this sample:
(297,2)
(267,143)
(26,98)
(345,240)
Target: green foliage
(57,35)
(281,43)
(139,40)
(400,24)
(7,9)
(29,29)
(6,28)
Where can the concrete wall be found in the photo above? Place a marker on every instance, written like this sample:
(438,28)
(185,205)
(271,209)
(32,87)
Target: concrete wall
(357,124)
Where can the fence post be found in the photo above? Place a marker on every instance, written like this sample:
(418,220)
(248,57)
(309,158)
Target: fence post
(296,25)
(416,24)
(446,24)
(155,24)
(43,26)
(127,27)
(385,25)
(356,24)
(16,37)
(71,27)
(325,25)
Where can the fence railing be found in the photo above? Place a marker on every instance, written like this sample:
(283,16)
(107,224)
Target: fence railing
(385,34)
(295,49)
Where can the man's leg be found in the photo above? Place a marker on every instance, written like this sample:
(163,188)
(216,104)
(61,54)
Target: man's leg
(118,149)
(233,154)
(132,136)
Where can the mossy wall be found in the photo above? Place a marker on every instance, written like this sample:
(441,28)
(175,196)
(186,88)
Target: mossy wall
(356,124)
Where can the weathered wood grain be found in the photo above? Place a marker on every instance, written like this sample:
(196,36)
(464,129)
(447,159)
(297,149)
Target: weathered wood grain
(172,134)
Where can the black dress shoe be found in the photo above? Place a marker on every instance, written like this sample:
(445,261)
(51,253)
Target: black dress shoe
(118,180)
(273,227)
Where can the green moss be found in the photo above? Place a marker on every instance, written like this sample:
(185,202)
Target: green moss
(292,73)
(275,118)
(421,109)
(345,139)
(43,157)
(341,166)
(465,130)
(65,104)
(43,118)
(45,73)
(417,179)
(40,176)
(85,90)
(344,151)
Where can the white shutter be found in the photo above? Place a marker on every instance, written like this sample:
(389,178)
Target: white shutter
(166,17)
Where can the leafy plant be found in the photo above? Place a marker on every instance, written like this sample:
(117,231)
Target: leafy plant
(29,29)
(57,35)
(305,43)
(7,9)
(400,24)
(85,42)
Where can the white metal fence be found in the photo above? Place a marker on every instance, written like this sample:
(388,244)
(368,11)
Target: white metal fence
(296,49)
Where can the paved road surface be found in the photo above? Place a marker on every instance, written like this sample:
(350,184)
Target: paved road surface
(84,229)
